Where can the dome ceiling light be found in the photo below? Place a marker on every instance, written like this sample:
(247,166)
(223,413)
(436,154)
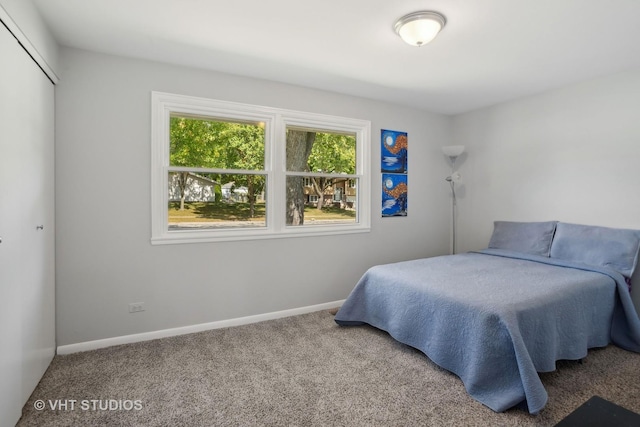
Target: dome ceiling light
(419,28)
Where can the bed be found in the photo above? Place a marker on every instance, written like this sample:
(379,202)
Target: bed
(540,292)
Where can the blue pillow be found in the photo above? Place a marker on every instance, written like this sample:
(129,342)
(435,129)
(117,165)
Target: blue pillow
(525,237)
(614,248)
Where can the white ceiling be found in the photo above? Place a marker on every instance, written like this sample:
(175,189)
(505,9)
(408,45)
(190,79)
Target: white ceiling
(490,50)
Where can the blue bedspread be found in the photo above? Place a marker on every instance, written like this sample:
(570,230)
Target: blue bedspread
(497,318)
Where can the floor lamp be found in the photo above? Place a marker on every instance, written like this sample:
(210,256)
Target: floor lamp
(453,151)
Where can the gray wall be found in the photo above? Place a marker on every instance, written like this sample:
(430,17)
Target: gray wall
(569,154)
(104,257)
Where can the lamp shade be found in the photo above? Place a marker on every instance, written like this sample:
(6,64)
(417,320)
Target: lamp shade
(453,150)
(419,28)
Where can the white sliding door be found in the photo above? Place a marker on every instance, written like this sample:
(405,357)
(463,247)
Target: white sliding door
(27,320)
(10,312)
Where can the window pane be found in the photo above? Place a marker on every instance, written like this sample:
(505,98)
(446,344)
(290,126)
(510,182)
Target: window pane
(198,201)
(320,151)
(216,144)
(325,201)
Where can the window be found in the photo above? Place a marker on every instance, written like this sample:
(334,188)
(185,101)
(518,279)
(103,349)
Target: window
(337,194)
(229,171)
(216,173)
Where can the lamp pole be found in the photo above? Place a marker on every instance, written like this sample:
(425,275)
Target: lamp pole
(452,152)
(454,203)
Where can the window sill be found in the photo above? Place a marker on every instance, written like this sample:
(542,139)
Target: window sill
(199,236)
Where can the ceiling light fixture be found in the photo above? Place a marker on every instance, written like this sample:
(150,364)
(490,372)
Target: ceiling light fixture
(419,28)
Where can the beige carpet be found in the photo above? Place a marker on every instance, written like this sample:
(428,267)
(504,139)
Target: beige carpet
(298,371)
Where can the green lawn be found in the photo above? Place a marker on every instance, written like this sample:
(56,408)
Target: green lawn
(220,211)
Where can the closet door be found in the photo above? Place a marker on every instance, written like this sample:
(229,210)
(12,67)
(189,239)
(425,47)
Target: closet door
(27,320)
(10,312)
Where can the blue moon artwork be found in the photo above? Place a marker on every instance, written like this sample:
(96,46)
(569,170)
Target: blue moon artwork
(394,194)
(394,149)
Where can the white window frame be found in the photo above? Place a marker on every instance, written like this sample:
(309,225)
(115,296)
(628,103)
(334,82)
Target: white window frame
(276,122)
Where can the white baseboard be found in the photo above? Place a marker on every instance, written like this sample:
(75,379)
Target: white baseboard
(146,336)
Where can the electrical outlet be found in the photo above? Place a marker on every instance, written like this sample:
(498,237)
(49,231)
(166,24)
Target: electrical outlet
(136,307)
